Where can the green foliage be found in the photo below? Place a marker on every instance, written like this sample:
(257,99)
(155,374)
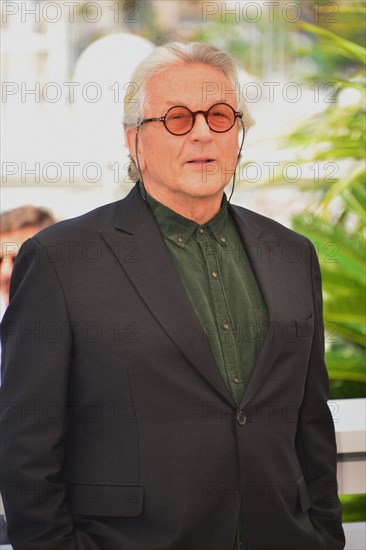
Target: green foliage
(342,259)
(336,220)
(337,133)
(333,44)
(353,507)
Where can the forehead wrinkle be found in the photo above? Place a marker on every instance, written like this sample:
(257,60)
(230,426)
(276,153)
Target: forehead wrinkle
(169,104)
(178,102)
(163,106)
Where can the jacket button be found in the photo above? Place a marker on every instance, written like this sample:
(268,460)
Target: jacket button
(241,418)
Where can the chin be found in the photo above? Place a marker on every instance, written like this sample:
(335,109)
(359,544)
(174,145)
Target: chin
(197,188)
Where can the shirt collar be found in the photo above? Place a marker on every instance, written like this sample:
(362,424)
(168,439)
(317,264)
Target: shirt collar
(179,229)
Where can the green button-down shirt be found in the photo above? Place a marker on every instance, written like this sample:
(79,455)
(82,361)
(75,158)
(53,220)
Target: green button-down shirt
(219,281)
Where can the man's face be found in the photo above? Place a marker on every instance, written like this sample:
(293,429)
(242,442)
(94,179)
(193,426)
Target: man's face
(175,165)
(11,242)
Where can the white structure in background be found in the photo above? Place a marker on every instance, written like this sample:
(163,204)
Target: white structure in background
(32,48)
(105,69)
(34,54)
(63,149)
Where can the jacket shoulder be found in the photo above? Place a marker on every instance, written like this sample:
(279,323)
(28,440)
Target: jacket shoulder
(83,226)
(267,225)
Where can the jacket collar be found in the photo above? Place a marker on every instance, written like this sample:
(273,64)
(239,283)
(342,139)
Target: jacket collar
(266,254)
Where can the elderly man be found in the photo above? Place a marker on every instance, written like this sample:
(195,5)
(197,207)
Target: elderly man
(164,382)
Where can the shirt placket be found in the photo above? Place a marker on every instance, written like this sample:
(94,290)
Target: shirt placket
(225,326)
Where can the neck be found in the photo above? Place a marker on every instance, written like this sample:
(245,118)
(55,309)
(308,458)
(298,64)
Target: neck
(198,209)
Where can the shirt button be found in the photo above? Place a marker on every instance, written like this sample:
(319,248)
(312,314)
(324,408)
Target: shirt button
(223,240)
(236,380)
(214,274)
(241,418)
(226,326)
(180,240)
(201,230)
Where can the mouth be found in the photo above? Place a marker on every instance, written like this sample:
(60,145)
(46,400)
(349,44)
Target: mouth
(200,161)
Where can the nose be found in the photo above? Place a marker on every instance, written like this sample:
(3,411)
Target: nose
(200,130)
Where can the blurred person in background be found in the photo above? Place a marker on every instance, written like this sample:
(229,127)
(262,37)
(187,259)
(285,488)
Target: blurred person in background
(16,226)
(170,392)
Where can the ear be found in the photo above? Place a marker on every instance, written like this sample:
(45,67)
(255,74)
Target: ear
(130,138)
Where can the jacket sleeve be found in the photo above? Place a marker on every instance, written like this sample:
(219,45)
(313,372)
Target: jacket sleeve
(36,351)
(316,436)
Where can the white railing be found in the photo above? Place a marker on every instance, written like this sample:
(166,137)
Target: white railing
(349,417)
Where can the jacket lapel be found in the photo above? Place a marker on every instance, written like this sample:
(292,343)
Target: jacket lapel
(265,255)
(139,247)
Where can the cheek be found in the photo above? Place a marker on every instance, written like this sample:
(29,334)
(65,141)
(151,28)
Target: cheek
(161,152)
(230,155)
(232,150)
(171,155)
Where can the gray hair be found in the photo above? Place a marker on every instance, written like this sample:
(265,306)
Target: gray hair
(174,53)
